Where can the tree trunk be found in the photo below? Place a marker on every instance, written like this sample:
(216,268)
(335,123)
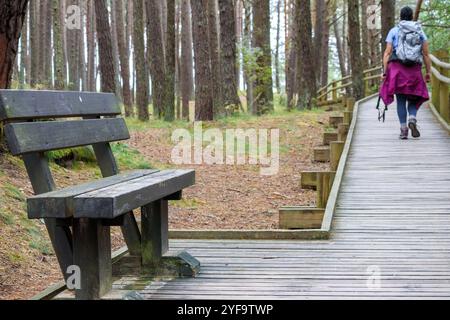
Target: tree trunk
(34,42)
(12,16)
(247,43)
(319,26)
(228,42)
(387,20)
(91,52)
(291,63)
(60,67)
(340,48)
(23,70)
(364,35)
(169,92)
(124,58)
(263,91)
(324,53)
(277,47)
(73,41)
(139,60)
(306,75)
(115,48)
(215,58)
(354,43)
(105,48)
(156,56)
(374,41)
(186,68)
(203,78)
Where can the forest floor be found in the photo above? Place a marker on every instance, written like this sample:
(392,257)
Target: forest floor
(224,196)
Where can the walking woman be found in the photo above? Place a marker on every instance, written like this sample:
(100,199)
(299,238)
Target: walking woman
(406,50)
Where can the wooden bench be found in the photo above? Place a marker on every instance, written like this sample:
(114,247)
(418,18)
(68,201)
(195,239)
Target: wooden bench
(78,218)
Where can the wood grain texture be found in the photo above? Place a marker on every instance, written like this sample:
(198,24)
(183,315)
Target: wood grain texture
(32,104)
(59,203)
(31,137)
(115,200)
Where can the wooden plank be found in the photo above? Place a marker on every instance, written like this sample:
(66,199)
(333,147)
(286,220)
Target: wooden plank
(329,137)
(336,148)
(59,203)
(300,218)
(112,201)
(336,120)
(31,104)
(308,180)
(321,154)
(30,137)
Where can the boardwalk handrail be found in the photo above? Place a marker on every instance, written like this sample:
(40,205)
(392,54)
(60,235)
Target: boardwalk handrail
(440,82)
(336,87)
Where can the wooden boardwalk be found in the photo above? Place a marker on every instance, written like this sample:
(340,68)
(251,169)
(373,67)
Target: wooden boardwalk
(392,220)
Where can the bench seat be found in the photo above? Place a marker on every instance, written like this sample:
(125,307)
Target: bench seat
(110,197)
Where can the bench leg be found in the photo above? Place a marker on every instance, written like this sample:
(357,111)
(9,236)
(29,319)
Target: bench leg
(154,232)
(92,254)
(155,243)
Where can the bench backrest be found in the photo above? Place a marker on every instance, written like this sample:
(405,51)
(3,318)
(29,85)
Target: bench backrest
(28,113)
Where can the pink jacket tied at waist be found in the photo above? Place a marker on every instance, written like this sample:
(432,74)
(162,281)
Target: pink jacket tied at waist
(401,79)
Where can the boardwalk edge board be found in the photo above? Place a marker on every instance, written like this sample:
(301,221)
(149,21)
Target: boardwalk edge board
(438,116)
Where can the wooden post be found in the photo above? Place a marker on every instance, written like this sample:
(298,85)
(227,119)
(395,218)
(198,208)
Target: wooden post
(322,154)
(334,92)
(366,87)
(300,217)
(336,148)
(324,184)
(350,104)
(443,90)
(154,233)
(342,132)
(92,254)
(348,115)
(335,121)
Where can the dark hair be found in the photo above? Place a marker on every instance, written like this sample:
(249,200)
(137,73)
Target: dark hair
(406,14)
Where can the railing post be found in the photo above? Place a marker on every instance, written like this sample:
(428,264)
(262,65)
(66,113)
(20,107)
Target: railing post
(443,89)
(334,92)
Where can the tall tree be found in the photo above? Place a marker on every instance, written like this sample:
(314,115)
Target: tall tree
(324,53)
(203,77)
(34,42)
(306,74)
(387,19)
(91,52)
(59,63)
(247,45)
(365,35)
(263,92)
(73,41)
(115,47)
(319,27)
(12,16)
(277,47)
(291,54)
(215,57)
(156,56)
(124,55)
(186,67)
(354,43)
(169,92)
(106,59)
(139,60)
(339,47)
(23,70)
(229,59)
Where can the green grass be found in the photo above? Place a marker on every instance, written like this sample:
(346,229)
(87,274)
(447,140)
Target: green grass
(129,158)
(13,192)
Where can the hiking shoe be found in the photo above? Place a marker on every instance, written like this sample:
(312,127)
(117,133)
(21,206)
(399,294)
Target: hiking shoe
(413,126)
(404,133)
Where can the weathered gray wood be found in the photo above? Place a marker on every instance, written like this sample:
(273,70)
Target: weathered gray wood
(42,181)
(52,135)
(92,254)
(116,200)
(154,233)
(108,167)
(59,203)
(31,104)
